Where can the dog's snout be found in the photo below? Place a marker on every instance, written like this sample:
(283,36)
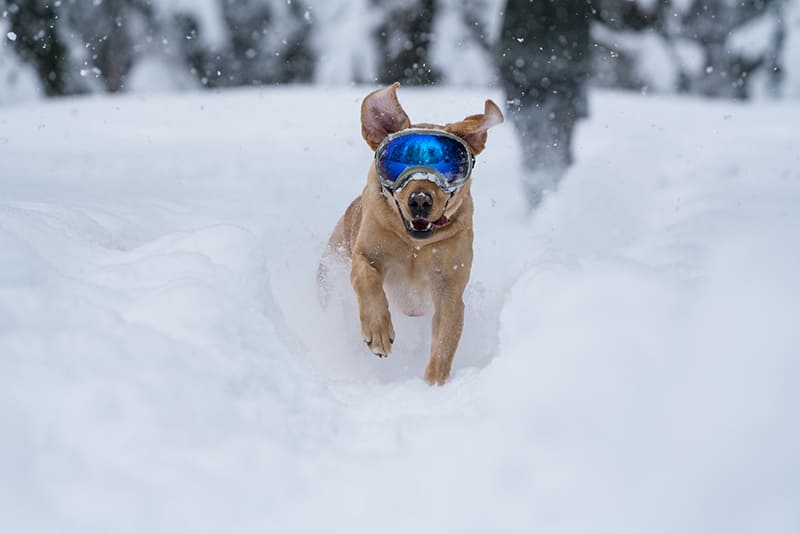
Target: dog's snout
(420,204)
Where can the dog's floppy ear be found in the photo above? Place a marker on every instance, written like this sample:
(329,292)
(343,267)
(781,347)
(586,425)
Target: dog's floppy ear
(381,115)
(473,128)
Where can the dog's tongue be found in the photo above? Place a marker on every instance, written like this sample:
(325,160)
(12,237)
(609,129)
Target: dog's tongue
(444,221)
(423,225)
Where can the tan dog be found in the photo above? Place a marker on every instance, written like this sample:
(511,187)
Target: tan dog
(415,243)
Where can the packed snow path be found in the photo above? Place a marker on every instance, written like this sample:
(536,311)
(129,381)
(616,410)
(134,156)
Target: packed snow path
(629,363)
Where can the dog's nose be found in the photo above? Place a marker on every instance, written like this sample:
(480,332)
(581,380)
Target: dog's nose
(420,204)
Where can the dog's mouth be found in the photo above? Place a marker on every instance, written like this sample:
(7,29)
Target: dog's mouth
(422,228)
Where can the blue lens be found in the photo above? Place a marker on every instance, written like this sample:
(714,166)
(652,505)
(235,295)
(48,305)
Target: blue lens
(447,156)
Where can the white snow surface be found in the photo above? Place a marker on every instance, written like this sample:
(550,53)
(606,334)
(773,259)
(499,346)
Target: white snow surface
(629,361)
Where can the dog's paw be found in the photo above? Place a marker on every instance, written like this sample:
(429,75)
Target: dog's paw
(378,333)
(437,372)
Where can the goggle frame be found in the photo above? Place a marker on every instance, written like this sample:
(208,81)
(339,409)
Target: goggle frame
(448,186)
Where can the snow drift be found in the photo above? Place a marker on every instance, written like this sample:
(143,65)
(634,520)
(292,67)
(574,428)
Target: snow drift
(628,365)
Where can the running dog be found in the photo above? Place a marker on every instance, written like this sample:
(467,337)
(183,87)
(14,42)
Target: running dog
(409,234)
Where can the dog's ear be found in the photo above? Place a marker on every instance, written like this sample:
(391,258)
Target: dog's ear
(381,115)
(473,128)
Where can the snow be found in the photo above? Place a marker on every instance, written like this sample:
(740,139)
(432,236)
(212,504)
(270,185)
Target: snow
(791,50)
(690,56)
(654,64)
(460,57)
(753,39)
(17,80)
(154,74)
(208,14)
(629,361)
(342,28)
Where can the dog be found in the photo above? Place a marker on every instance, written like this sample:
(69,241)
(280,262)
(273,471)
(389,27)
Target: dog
(409,234)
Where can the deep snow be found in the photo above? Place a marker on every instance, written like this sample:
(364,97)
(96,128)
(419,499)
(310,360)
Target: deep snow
(629,362)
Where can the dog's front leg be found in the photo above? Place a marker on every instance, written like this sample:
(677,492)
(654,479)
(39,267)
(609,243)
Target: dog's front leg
(448,321)
(373,307)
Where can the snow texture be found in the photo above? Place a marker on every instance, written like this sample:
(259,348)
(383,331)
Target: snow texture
(629,360)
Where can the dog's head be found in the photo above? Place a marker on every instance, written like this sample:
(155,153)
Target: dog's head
(424,206)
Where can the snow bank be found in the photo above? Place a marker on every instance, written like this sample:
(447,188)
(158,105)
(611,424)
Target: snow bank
(654,352)
(628,363)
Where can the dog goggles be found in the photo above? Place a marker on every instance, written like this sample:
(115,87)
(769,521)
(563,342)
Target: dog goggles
(443,157)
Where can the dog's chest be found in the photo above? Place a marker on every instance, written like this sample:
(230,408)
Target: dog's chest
(409,293)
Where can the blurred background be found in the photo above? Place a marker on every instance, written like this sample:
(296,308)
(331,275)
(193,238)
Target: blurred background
(716,48)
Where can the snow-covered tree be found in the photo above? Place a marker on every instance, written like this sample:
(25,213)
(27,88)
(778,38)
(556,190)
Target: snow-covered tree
(18,81)
(40,40)
(719,48)
(726,48)
(108,31)
(341,36)
(247,42)
(79,46)
(464,35)
(790,54)
(404,38)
